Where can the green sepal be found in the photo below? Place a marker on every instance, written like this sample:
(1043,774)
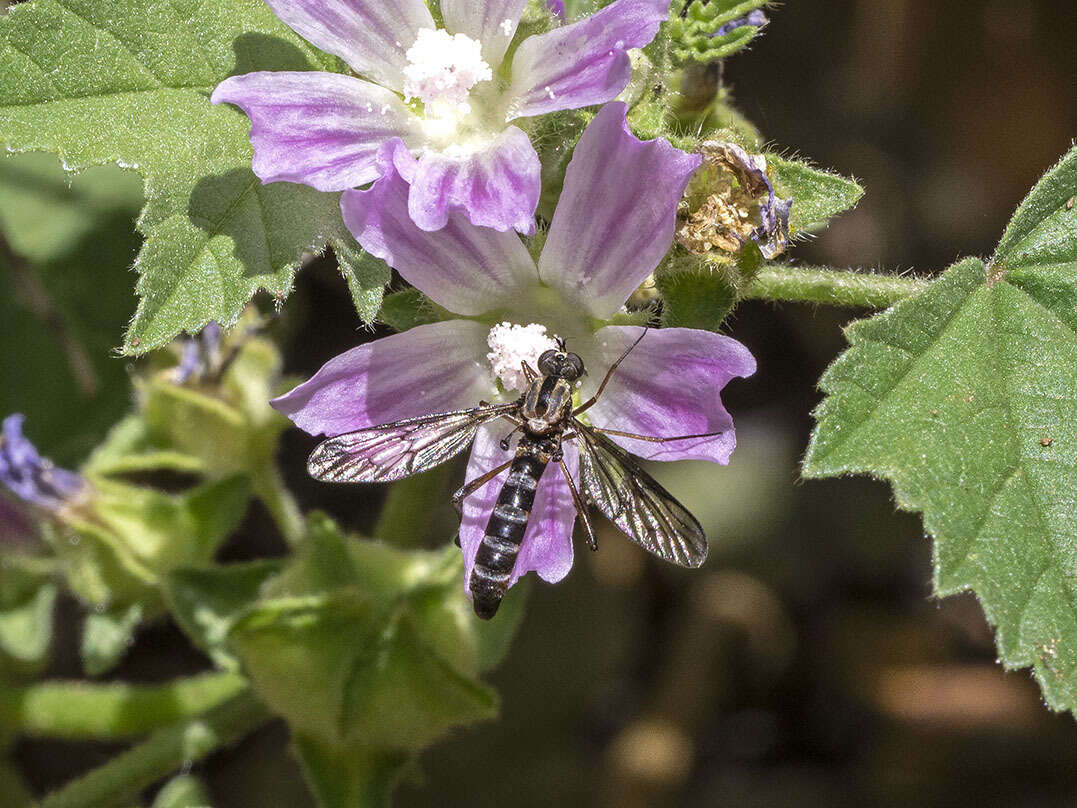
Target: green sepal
(184,791)
(817,195)
(366,276)
(349,776)
(27,601)
(106,636)
(207,601)
(408,308)
(694,34)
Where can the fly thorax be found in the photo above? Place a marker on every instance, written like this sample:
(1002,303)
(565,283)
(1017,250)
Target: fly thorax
(512,345)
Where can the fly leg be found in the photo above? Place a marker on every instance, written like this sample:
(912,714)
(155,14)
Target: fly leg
(470,488)
(652,438)
(609,374)
(581,506)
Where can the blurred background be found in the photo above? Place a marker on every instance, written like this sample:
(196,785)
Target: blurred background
(807,661)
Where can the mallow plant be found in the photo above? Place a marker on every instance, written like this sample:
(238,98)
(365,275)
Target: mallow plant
(573,211)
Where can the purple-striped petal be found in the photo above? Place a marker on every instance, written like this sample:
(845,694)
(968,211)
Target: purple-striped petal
(469,270)
(616,215)
(320,129)
(669,385)
(431,368)
(496,186)
(547,545)
(372,36)
(491,22)
(583,63)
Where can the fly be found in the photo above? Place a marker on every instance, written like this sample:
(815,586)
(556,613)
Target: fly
(544,416)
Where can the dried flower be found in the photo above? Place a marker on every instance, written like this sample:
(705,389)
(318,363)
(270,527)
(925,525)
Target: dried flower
(731,200)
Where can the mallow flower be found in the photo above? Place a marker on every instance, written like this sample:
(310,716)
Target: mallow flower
(449,94)
(612,226)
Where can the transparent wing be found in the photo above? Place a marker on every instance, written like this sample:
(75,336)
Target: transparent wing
(634,501)
(388,452)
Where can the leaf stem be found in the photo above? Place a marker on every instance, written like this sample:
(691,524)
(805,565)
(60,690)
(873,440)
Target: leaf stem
(81,711)
(165,751)
(833,287)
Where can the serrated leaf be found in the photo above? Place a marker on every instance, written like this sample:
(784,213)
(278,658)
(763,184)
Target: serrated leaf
(128,81)
(965,397)
(366,275)
(817,195)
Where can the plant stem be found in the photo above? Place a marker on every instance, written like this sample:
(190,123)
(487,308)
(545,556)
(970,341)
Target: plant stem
(81,711)
(165,751)
(834,287)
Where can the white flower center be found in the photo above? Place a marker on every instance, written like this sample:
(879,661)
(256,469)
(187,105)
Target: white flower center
(511,345)
(442,68)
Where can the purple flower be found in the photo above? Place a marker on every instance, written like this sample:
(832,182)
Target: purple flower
(557,7)
(200,354)
(439,91)
(613,225)
(754,18)
(29,476)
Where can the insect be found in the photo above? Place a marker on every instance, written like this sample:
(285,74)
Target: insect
(544,416)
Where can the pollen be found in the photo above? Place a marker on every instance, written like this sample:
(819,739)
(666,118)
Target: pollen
(511,345)
(442,68)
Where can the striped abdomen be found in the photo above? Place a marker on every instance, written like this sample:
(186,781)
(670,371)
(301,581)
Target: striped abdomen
(504,532)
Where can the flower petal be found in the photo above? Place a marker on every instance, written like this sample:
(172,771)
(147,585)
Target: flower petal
(496,186)
(372,36)
(491,22)
(668,385)
(616,215)
(583,63)
(320,129)
(547,544)
(469,270)
(431,368)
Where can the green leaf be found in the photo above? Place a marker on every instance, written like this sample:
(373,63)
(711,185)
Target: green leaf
(817,195)
(207,601)
(366,275)
(346,777)
(128,82)
(965,397)
(106,636)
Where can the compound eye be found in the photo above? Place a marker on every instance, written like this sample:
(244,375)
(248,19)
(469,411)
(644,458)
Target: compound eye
(549,362)
(572,367)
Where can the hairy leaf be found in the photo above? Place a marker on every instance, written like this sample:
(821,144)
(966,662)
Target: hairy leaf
(128,82)
(965,397)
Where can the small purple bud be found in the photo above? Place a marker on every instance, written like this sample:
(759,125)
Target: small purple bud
(32,478)
(557,7)
(755,18)
(200,354)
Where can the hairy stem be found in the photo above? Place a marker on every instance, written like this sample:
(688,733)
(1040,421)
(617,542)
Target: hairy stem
(834,287)
(165,751)
(83,711)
